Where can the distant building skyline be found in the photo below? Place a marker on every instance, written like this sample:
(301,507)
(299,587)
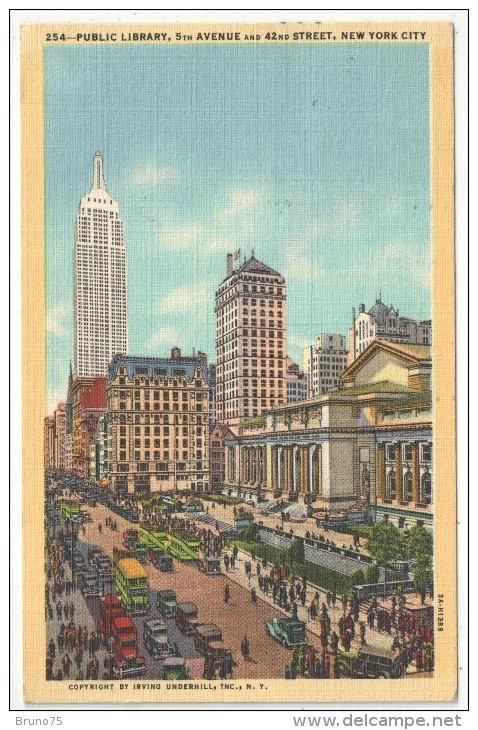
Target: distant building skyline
(324,361)
(383,322)
(323,192)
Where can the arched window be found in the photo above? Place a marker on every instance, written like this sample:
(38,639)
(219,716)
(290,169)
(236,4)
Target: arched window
(426,488)
(391,485)
(407,486)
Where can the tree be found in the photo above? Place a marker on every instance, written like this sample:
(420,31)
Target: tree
(419,548)
(385,545)
(250,533)
(371,573)
(296,552)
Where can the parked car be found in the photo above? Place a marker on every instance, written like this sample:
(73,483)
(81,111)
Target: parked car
(287,631)
(371,663)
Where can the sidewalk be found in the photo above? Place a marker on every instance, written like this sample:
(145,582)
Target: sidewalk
(379,640)
(83,617)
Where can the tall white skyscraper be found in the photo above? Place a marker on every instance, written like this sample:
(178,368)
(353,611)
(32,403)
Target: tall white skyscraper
(101,314)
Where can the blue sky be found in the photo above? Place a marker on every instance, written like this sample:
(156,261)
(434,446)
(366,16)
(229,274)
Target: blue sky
(315,156)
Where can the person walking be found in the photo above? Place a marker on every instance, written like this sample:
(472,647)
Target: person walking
(362,633)
(227,594)
(66,664)
(51,648)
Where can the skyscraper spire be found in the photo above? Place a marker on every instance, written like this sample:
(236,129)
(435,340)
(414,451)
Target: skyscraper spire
(100,298)
(98,179)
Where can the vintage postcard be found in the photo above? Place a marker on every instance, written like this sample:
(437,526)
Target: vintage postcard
(238,362)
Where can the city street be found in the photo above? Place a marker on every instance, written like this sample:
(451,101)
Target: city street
(239,618)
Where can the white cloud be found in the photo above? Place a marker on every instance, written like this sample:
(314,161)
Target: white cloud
(241,201)
(163,339)
(301,256)
(55,320)
(151,175)
(415,261)
(185,236)
(194,297)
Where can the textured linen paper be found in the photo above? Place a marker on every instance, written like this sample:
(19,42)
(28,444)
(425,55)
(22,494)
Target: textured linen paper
(238,362)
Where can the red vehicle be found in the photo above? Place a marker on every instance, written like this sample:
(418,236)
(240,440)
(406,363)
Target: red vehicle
(186,617)
(114,623)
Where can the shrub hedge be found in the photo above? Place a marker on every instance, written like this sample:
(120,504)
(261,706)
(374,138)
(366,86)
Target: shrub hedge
(221,499)
(318,575)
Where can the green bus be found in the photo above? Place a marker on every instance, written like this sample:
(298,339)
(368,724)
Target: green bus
(70,510)
(131,585)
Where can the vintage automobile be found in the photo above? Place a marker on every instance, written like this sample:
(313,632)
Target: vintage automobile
(93,553)
(89,585)
(173,668)
(155,638)
(186,617)
(287,631)
(140,553)
(208,641)
(210,566)
(166,602)
(160,560)
(205,633)
(103,565)
(79,564)
(370,663)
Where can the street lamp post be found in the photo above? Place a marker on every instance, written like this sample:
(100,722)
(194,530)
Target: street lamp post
(111,644)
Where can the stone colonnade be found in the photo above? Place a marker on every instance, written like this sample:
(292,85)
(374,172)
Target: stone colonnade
(289,468)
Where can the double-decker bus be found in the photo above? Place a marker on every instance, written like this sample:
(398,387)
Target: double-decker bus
(131,585)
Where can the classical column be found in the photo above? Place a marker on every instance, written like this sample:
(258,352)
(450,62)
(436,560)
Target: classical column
(279,468)
(294,468)
(398,472)
(274,471)
(312,486)
(287,468)
(415,471)
(304,464)
(242,465)
(320,489)
(380,474)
